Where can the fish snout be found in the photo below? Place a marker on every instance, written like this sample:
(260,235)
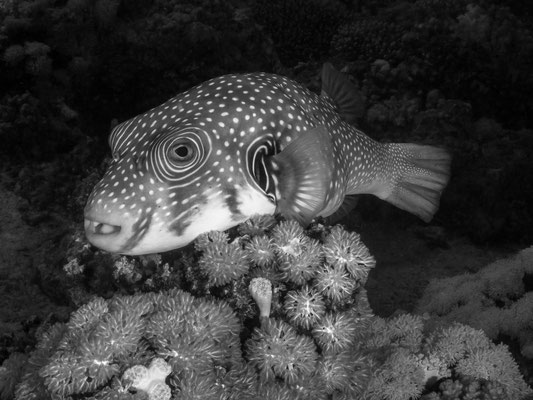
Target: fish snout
(105,231)
(100,228)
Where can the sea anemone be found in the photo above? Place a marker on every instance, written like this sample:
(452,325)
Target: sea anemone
(277,351)
(304,307)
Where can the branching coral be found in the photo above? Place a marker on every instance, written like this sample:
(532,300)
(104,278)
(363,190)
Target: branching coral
(299,28)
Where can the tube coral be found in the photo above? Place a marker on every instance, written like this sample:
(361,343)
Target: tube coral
(261,291)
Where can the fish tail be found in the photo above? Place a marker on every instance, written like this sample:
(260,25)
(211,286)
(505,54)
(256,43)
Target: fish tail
(421,174)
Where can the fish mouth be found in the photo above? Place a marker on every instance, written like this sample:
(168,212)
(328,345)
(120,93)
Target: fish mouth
(101,228)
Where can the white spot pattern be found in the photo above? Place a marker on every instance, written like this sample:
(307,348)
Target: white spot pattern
(188,149)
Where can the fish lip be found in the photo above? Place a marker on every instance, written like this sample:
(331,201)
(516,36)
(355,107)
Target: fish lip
(98,228)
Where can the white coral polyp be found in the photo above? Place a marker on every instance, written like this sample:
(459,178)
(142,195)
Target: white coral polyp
(150,380)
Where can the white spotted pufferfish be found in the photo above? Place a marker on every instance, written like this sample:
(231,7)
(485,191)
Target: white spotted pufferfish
(240,145)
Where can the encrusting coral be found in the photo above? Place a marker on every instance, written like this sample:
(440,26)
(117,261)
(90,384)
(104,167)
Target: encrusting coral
(306,344)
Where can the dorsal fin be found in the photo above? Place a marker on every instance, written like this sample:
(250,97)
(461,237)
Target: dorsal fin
(302,174)
(349,100)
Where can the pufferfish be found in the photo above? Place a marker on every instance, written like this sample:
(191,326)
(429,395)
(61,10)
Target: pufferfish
(246,144)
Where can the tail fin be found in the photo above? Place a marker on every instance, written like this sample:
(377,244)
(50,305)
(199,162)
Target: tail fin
(423,174)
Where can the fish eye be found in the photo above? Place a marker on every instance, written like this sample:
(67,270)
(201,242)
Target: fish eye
(183,152)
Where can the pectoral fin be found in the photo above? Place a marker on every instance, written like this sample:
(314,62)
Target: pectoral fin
(302,174)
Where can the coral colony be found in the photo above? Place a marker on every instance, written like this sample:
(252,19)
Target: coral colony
(312,336)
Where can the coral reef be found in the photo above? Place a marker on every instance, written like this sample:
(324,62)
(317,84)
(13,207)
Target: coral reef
(109,342)
(452,72)
(435,71)
(300,29)
(497,299)
(411,359)
(305,343)
(70,68)
(88,56)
